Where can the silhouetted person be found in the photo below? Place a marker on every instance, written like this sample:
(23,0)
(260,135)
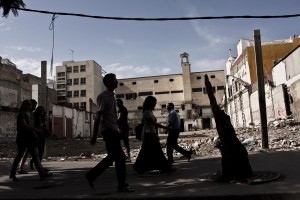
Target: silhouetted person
(40,122)
(27,139)
(151,157)
(107,121)
(25,156)
(173,134)
(123,126)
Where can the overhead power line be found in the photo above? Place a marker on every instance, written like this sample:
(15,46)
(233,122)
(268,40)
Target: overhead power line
(162,19)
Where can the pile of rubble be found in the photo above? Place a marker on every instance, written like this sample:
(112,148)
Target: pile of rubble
(283,135)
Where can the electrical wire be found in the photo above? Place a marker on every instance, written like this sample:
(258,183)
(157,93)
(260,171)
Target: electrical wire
(163,19)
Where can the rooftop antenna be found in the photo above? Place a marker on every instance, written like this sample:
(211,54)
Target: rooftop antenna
(72,52)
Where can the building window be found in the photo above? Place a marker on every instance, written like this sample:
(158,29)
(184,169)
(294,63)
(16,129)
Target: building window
(69,94)
(198,77)
(61,98)
(145,93)
(82,68)
(176,91)
(121,84)
(76,105)
(204,90)
(212,76)
(131,96)
(120,96)
(82,81)
(60,74)
(83,93)
(69,69)
(83,105)
(220,87)
(163,106)
(59,86)
(76,93)
(76,81)
(61,92)
(171,80)
(69,81)
(155,81)
(196,89)
(133,83)
(164,92)
(75,69)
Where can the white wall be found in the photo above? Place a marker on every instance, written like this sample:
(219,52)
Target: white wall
(80,119)
(279,74)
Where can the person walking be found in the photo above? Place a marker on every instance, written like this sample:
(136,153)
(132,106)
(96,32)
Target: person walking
(27,139)
(25,156)
(106,121)
(123,126)
(151,156)
(173,134)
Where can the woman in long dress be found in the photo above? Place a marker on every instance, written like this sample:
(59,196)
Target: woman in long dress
(151,157)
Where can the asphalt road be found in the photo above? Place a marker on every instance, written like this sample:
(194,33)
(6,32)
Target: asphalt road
(190,181)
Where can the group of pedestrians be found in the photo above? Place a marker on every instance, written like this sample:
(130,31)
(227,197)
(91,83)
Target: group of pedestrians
(113,126)
(31,139)
(114,129)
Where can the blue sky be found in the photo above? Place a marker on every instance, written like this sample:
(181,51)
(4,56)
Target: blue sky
(135,48)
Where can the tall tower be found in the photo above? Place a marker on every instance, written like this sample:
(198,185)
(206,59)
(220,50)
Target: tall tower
(186,77)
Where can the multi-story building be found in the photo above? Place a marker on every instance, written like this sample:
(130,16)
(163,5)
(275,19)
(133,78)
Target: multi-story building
(241,79)
(79,83)
(186,90)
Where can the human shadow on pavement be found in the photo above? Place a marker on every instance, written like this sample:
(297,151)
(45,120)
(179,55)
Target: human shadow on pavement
(189,180)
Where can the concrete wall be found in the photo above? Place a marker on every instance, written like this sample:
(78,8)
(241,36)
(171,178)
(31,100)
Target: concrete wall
(81,121)
(295,99)
(248,113)
(8,126)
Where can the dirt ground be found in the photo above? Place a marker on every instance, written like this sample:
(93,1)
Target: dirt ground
(79,149)
(282,138)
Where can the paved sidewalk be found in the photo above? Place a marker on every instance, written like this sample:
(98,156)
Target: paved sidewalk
(187,182)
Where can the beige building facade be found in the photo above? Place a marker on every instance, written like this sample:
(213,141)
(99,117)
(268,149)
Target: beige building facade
(186,90)
(78,84)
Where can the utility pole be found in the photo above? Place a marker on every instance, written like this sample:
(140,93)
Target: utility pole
(261,90)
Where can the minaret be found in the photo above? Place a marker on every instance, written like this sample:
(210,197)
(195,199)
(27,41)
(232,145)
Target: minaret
(186,77)
(229,63)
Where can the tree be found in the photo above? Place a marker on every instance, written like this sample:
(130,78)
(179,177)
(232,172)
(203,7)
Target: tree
(11,5)
(235,162)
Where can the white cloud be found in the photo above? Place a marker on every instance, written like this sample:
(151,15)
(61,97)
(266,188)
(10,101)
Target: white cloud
(3,26)
(23,48)
(32,66)
(209,64)
(5,29)
(202,31)
(130,71)
(116,41)
(207,35)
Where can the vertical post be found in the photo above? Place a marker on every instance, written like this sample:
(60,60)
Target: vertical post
(261,89)
(43,97)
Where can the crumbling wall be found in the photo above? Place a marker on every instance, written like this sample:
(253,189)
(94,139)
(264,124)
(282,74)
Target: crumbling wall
(295,99)
(8,126)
